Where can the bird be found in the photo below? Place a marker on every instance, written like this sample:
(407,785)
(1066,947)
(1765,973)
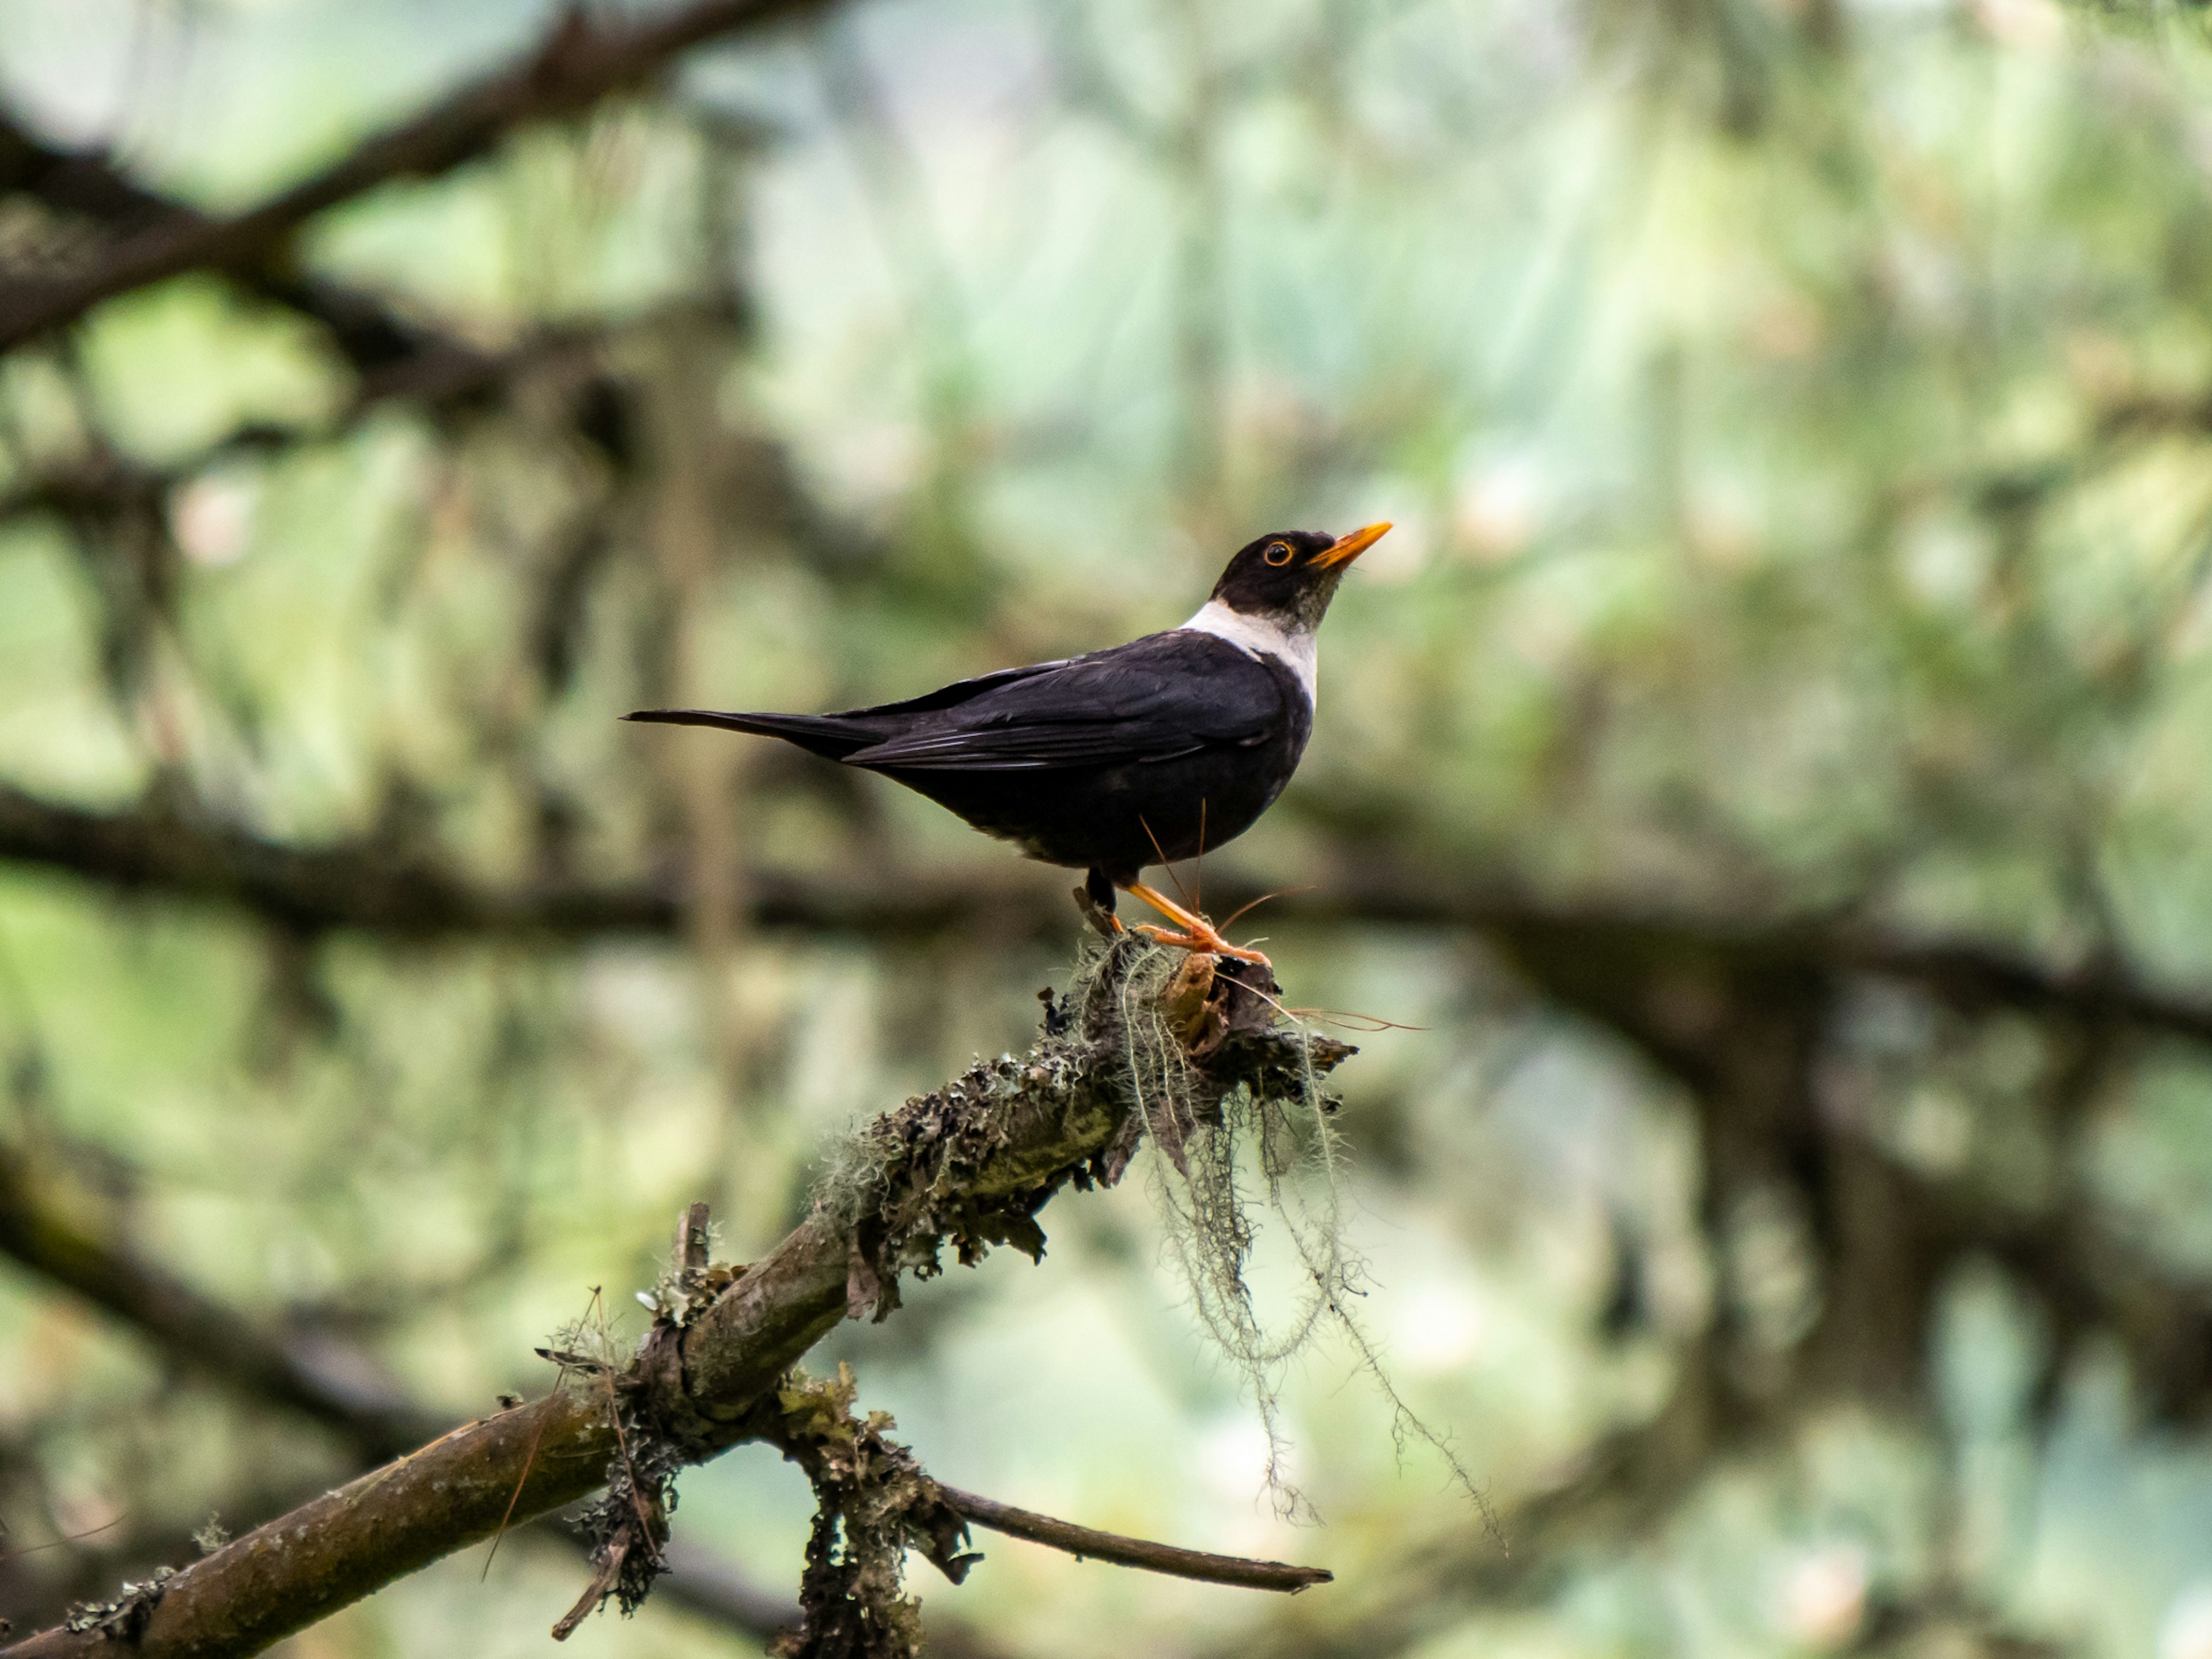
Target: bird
(1145,753)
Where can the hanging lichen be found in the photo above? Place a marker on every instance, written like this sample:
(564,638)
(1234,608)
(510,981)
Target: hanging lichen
(1195,1051)
(1172,1011)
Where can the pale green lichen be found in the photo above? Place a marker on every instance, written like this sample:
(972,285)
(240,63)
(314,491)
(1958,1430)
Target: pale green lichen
(1283,1130)
(1225,1083)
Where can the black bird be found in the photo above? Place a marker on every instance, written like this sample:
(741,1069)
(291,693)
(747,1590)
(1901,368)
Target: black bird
(1148,753)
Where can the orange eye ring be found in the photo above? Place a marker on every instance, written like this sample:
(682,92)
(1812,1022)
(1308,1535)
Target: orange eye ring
(1277,553)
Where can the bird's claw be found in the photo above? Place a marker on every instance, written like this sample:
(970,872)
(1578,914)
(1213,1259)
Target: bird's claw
(1191,931)
(1209,942)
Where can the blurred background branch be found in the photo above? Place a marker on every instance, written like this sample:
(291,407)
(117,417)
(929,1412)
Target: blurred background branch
(1766,763)
(578,63)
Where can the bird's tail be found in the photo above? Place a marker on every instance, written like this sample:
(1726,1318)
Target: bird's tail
(830,735)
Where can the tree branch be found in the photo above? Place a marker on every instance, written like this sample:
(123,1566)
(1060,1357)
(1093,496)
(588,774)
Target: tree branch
(85,186)
(968,1167)
(443,374)
(1565,946)
(1085,1543)
(348,884)
(334,1383)
(580,62)
(395,357)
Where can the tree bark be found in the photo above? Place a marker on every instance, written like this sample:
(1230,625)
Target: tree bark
(967,1166)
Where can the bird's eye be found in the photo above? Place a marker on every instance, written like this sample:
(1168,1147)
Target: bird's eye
(1277,553)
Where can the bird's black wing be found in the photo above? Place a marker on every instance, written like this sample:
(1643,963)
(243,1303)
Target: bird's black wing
(835,737)
(1153,699)
(960,691)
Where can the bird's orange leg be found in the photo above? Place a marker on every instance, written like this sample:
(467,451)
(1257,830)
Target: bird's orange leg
(1192,932)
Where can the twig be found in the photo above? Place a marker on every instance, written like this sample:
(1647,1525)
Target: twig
(603,1581)
(692,1243)
(64,1541)
(529,1462)
(1174,875)
(1087,1543)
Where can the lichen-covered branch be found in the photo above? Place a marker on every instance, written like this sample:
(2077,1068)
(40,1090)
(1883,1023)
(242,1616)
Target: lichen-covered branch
(876,1505)
(332,1381)
(962,1169)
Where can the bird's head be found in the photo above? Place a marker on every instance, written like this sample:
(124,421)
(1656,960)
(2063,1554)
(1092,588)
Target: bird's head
(1290,576)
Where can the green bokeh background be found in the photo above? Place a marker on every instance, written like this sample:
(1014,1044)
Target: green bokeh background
(1795,414)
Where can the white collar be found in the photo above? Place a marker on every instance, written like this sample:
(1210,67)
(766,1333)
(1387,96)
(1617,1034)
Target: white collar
(1261,636)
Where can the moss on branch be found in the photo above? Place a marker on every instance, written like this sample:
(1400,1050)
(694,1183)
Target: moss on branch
(967,1166)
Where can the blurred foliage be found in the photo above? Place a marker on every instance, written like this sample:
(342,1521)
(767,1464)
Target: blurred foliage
(1796,415)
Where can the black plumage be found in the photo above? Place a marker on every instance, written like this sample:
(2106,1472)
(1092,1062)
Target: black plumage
(1147,753)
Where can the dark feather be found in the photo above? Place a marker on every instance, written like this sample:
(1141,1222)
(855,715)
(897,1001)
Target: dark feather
(1155,699)
(1157,749)
(960,691)
(831,735)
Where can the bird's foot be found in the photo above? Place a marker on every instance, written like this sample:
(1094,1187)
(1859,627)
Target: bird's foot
(1101,918)
(1208,941)
(1191,931)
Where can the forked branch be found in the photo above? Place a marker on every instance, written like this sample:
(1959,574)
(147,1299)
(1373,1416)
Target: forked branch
(968,1167)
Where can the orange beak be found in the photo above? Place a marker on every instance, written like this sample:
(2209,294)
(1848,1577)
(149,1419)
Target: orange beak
(1345,548)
